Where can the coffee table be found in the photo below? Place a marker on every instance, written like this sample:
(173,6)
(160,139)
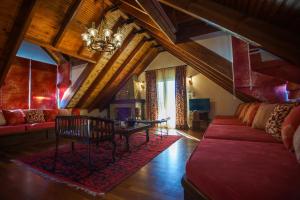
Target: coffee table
(128,131)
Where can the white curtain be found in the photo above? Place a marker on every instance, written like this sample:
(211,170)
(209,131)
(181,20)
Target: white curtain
(165,80)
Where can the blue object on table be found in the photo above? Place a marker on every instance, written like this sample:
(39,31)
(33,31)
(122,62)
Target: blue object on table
(202,105)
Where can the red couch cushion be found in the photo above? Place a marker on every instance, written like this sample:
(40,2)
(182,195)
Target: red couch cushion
(227,170)
(40,126)
(224,117)
(50,115)
(76,111)
(233,132)
(289,126)
(12,129)
(228,121)
(14,117)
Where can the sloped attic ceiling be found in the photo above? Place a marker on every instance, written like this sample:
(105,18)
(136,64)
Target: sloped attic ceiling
(57,25)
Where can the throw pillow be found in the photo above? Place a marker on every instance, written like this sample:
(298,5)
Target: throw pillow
(76,111)
(296,143)
(50,115)
(243,111)
(289,126)
(2,119)
(34,116)
(251,112)
(239,109)
(64,112)
(14,117)
(274,123)
(262,115)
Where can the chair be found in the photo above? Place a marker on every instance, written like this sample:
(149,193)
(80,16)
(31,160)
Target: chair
(89,130)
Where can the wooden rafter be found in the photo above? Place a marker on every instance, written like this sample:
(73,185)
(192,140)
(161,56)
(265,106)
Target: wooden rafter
(278,41)
(48,46)
(16,36)
(158,16)
(143,61)
(86,72)
(118,72)
(56,56)
(107,66)
(70,15)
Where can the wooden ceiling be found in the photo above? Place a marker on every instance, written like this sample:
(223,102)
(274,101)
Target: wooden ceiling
(56,26)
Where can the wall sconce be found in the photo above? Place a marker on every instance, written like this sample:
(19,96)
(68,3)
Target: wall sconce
(190,79)
(142,85)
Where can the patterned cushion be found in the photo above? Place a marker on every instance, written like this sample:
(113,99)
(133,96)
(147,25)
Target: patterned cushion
(262,115)
(243,111)
(296,143)
(50,115)
(289,126)
(14,117)
(239,109)
(2,119)
(65,112)
(34,116)
(251,112)
(274,123)
(244,118)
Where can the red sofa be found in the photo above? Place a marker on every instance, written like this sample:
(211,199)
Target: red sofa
(234,161)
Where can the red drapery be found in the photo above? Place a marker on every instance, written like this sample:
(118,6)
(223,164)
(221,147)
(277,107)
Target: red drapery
(181,98)
(151,95)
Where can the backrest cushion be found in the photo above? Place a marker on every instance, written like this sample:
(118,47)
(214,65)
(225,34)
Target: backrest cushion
(251,112)
(50,115)
(296,143)
(65,112)
(34,116)
(239,109)
(14,117)
(274,123)
(2,119)
(243,111)
(262,115)
(289,126)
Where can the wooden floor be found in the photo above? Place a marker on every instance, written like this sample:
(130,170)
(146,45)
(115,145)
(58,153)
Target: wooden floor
(159,179)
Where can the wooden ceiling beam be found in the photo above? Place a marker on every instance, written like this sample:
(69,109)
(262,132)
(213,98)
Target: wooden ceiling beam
(86,72)
(274,39)
(16,36)
(143,61)
(56,56)
(159,17)
(105,69)
(48,46)
(70,15)
(119,72)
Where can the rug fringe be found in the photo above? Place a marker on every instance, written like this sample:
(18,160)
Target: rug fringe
(94,194)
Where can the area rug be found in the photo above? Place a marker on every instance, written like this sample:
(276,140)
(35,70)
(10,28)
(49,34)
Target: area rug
(73,168)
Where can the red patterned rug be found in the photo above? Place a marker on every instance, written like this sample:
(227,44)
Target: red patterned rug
(73,168)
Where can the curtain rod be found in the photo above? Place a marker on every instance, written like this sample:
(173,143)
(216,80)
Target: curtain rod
(164,68)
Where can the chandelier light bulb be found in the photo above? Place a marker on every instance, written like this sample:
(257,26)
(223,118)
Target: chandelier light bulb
(93,32)
(107,33)
(85,36)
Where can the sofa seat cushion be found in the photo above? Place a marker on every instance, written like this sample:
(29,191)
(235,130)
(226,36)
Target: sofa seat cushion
(40,126)
(233,132)
(12,129)
(228,121)
(225,117)
(226,169)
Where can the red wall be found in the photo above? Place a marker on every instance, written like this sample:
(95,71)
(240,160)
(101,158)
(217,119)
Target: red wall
(15,91)
(262,87)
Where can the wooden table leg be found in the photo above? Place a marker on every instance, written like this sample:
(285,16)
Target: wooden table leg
(147,135)
(127,142)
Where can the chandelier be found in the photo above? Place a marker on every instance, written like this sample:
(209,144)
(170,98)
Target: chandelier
(102,38)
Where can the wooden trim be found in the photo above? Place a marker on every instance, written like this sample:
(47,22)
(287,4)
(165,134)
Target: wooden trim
(118,72)
(190,191)
(159,17)
(276,40)
(48,46)
(106,68)
(59,59)
(86,72)
(16,36)
(70,15)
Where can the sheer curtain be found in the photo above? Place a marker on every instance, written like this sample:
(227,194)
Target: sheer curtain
(165,82)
